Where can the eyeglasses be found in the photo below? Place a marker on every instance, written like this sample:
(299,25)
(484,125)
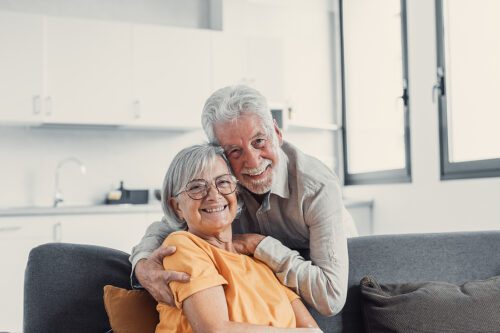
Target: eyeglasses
(197,189)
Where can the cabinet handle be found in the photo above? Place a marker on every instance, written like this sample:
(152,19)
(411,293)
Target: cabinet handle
(137,109)
(10,229)
(36,104)
(56,232)
(48,105)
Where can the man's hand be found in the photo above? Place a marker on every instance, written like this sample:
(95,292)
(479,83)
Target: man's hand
(247,243)
(154,278)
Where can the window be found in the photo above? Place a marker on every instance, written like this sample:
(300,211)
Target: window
(468,87)
(375,92)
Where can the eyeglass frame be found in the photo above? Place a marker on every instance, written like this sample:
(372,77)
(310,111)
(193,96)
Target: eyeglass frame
(208,185)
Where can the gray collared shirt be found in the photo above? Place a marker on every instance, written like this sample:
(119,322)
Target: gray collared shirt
(303,211)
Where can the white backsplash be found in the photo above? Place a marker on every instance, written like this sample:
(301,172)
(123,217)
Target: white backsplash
(29,157)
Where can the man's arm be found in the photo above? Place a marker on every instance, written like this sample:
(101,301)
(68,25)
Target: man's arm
(147,264)
(152,239)
(321,282)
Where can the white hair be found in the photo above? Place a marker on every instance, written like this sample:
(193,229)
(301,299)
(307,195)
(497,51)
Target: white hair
(230,103)
(188,164)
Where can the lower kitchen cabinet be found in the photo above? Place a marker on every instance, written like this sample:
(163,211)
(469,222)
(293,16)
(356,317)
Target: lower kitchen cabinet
(19,234)
(117,231)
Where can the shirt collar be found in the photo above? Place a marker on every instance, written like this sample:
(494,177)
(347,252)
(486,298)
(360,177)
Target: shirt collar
(280,176)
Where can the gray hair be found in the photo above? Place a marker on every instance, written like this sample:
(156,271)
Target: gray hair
(231,102)
(189,163)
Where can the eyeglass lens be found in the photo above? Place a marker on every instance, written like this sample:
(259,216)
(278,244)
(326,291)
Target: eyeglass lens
(198,188)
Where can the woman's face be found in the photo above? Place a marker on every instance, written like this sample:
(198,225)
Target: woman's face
(211,214)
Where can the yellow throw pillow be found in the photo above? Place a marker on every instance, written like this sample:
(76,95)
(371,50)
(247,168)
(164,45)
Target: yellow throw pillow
(130,311)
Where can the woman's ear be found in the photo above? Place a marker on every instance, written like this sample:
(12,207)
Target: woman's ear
(174,204)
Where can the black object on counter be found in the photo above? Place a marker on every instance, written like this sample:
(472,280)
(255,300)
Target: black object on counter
(123,196)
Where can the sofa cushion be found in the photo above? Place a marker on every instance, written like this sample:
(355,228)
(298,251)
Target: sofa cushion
(431,306)
(130,311)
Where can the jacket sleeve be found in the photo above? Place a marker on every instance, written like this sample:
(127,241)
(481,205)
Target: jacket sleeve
(152,239)
(322,281)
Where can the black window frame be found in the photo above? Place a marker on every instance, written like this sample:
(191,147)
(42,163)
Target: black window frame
(403,175)
(453,170)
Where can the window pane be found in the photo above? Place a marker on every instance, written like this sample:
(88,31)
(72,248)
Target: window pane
(472,58)
(373,84)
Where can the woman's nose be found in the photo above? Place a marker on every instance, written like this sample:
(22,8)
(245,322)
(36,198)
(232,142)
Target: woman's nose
(212,192)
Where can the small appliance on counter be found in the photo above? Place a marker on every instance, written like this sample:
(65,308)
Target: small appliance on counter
(123,196)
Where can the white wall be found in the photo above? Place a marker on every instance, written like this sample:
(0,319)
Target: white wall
(29,157)
(428,204)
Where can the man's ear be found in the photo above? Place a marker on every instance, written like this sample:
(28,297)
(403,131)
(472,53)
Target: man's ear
(174,204)
(278,132)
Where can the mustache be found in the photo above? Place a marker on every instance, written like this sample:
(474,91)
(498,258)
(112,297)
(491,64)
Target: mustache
(255,171)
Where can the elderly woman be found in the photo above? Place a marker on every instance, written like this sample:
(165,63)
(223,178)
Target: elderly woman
(228,291)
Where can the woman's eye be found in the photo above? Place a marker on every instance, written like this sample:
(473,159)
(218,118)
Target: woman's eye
(196,188)
(223,183)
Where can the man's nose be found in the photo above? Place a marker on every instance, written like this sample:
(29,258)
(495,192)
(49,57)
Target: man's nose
(252,158)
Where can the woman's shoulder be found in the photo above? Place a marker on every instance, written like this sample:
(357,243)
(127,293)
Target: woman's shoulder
(186,239)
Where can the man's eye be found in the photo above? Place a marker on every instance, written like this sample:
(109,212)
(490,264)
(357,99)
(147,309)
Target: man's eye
(259,143)
(234,153)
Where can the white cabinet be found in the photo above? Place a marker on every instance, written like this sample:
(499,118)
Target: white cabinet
(255,61)
(117,231)
(18,235)
(21,67)
(80,71)
(171,75)
(89,71)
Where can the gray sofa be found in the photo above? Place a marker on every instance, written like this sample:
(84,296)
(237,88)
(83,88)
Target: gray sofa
(63,282)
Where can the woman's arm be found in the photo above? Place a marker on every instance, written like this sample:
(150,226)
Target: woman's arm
(302,315)
(207,312)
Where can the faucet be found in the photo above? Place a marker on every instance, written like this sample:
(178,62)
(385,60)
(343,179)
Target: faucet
(58,198)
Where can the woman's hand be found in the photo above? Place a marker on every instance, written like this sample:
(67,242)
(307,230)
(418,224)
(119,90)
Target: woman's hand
(154,278)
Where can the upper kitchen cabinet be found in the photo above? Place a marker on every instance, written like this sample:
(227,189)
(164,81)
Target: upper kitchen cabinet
(21,67)
(255,61)
(171,75)
(89,71)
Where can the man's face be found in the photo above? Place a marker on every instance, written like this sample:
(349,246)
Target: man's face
(250,150)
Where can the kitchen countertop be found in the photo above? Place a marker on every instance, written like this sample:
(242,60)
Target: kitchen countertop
(119,209)
(80,210)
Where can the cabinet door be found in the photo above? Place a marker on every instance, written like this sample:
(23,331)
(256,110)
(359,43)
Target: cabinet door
(229,60)
(117,231)
(254,61)
(265,67)
(171,75)
(88,71)
(18,235)
(21,67)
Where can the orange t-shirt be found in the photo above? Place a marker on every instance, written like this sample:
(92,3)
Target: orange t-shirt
(253,293)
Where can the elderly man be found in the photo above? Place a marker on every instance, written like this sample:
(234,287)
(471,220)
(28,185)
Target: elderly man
(293,218)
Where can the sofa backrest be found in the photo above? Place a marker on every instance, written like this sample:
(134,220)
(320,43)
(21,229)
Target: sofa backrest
(450,257)
(63,287)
